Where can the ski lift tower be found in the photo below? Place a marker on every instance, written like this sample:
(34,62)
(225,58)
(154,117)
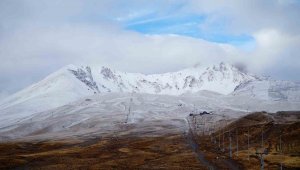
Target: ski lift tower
(129,108)
(261,152)
(248,143)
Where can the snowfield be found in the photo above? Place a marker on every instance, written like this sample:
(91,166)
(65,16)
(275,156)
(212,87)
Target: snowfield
(84,101)
(105,114)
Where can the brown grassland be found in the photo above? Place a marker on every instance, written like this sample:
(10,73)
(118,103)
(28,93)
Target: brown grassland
(167,152)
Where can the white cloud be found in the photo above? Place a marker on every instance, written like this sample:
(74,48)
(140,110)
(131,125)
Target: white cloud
(37,51)
(38,37)
(250,16)
(276,52)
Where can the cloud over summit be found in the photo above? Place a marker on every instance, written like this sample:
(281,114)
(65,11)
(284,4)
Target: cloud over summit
(40,36)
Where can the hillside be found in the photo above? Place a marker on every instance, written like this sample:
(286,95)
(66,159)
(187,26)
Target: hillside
(278,133)
(223,82)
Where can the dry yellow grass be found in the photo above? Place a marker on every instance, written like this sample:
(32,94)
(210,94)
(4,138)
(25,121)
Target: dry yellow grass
(166,152)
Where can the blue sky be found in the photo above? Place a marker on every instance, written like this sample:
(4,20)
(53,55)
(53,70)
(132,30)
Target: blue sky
(186,25)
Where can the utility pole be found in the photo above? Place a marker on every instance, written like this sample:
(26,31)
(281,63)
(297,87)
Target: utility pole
(230,151)
(129,109)
(261,161)
(280,144)
(262,137)
(261,152)
(219,138)
(203,129)
(248,145)
(223,140)
(237,142)
(195,123)
(280,151)
(223,144)
(203,123)
(214,134)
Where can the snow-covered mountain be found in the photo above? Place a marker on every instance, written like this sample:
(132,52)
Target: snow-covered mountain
(268,89)
(222,78)
(71,83)
(104,114)
(80,95)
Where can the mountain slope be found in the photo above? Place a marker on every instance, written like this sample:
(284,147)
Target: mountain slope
(55,90)
(72,83)
(269,90)
(104,114)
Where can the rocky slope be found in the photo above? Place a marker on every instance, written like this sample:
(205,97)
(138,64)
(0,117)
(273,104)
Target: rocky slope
(222,78)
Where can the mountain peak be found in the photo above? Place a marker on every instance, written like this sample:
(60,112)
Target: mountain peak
(221,78)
